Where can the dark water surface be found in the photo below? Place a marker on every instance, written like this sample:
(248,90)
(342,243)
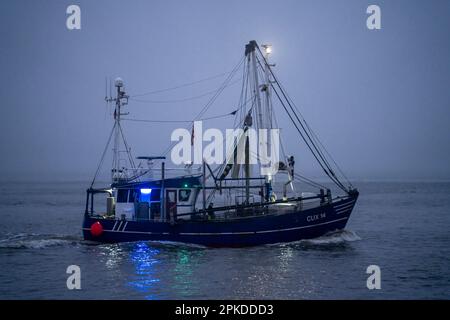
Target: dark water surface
(401,227)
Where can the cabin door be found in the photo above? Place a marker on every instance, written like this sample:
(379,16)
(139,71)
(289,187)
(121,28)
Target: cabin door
(171,204)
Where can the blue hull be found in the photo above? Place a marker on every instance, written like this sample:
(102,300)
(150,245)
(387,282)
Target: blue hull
(251,231)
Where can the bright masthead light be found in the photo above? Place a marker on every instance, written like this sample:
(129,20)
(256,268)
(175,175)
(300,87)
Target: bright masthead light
(267,48)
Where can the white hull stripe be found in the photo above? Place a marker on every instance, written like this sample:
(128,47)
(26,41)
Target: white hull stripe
(119,226)
(344,204)
(228,233)
(344,207)
(344,210)
(87,229)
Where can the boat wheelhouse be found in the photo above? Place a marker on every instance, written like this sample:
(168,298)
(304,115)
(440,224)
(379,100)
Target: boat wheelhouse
(153,200)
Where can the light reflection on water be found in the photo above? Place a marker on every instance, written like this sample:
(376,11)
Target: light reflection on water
(186,263)
(154,270)
(113,254)
(145,261)
(152,279)
(159,271)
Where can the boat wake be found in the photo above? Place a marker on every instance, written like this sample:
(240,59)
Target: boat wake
(37,241)
(335,237)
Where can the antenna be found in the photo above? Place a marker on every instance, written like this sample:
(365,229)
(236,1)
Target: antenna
(110,88)
(106,94)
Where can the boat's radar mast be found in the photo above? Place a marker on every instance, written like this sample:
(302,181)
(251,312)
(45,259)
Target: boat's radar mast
(118,171)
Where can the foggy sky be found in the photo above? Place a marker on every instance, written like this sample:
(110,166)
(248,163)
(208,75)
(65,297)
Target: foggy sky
(379,100)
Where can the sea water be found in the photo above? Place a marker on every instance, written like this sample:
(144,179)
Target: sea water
(402,227)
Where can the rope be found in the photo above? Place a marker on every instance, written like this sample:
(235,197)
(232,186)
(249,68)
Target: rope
(180,86)
(103,155)
(323,165)
(182,121)
(183,99)
(212,100)
(317,140)
(309,181)
(311,145)
(130,158)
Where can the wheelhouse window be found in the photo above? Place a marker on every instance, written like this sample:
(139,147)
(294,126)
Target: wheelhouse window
(133,194)
(155,195)
(122,195)
(184,194)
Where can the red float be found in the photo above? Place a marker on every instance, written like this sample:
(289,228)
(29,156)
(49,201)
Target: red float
(96,229)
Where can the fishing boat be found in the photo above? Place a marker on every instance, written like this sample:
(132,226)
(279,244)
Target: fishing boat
(231,204)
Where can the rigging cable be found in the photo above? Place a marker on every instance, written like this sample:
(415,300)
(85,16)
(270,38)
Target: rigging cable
(212,99)
(130,158)
(329,155)
(180,86)
(103,155)
(223,141)
(296,175)
(319,156)
(183,99)
(309,181)
(183,121)
(314,136)
(337,182)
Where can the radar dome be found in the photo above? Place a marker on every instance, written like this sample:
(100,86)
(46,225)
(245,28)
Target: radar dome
(118,82)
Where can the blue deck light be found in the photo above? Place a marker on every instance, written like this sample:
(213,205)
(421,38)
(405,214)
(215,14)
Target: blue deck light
(146,191)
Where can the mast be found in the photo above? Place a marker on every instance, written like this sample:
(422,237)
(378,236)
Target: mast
(263,110)
(266,87)
(268,102)
(247,170)
(250,51)
(120,100)
(203,186)
(260,121)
